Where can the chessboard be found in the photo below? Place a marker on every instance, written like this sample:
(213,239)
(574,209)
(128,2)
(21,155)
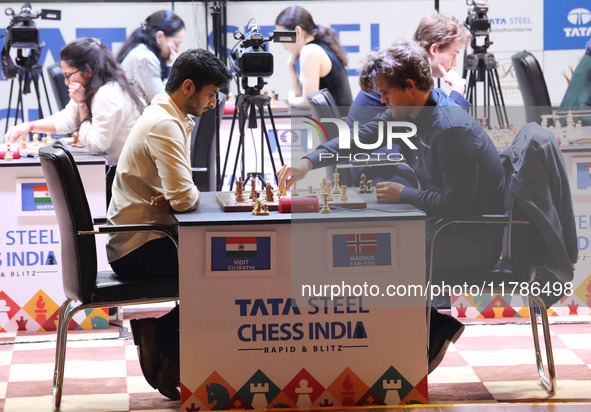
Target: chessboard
(228,203)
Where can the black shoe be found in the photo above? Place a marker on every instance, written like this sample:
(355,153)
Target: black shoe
(169,378)
(444,329)
(144,336)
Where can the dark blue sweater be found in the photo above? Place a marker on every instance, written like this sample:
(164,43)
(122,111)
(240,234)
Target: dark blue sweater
(456,163)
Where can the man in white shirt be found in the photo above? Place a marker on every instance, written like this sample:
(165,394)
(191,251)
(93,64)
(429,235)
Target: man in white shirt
(154,179)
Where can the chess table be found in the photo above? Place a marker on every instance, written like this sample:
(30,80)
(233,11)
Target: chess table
(250,339)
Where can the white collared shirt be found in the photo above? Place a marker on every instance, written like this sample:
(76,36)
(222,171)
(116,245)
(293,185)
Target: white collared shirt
(155,160)
(113,115)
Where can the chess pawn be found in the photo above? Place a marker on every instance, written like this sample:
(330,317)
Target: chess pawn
(36,139)
(544,122)
(579,130)
(344,193)
(310,190)
(325,208)
(362,187)
(252,189)
(8,154)
(265,211)
(23,145)
(363,178)
(369,186)
(294,189)
(49,140)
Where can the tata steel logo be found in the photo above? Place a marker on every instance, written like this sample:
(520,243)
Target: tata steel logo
(579,18)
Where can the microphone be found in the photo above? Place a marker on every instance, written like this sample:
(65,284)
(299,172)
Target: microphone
(588,48)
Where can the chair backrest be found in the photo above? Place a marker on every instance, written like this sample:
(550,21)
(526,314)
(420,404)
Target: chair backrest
(322,104)
(58,85)
(78,257)
(203,147)
(532,84)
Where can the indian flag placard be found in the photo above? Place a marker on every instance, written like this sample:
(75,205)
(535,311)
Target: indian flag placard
(239,254)
(41,194)
(35,197)
(241,247)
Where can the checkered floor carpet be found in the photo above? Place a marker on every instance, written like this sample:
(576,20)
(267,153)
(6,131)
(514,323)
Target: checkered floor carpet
(491,363)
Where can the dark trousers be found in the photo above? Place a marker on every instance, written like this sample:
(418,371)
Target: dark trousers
(110,177)
(155,259)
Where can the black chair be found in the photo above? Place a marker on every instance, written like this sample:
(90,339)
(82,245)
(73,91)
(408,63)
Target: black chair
(534,91)
(81,281)
(203,151)
(322,104)
(58,85)
(528,253)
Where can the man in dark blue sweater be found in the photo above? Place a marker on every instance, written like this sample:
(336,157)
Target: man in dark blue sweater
(455,162)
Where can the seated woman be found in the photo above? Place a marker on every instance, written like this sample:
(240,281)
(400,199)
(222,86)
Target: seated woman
(322,59)
(149,52)
(103,105)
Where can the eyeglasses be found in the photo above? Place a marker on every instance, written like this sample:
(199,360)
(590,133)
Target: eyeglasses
(69,75)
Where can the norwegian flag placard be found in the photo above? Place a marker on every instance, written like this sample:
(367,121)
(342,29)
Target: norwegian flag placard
(365,248)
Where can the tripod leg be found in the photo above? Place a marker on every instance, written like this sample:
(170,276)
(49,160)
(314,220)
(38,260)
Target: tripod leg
(275,133)
(35,79)
(223,174)
(241,125)
(46,94)
(497,82)
(264,130)
(19,101)
(265,137)
(9,104)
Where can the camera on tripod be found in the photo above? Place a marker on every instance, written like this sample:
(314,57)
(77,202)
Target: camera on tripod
(250,57)
(477,21)
(23,34)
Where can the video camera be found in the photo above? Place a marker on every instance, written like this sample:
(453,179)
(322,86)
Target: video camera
(477,21)
(250,57)
(23,34)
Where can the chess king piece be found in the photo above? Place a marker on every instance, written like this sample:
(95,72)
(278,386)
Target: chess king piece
(239,193)
(8,155)
(269,193)
(337,188)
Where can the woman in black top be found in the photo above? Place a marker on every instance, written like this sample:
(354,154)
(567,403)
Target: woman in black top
(322,59)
